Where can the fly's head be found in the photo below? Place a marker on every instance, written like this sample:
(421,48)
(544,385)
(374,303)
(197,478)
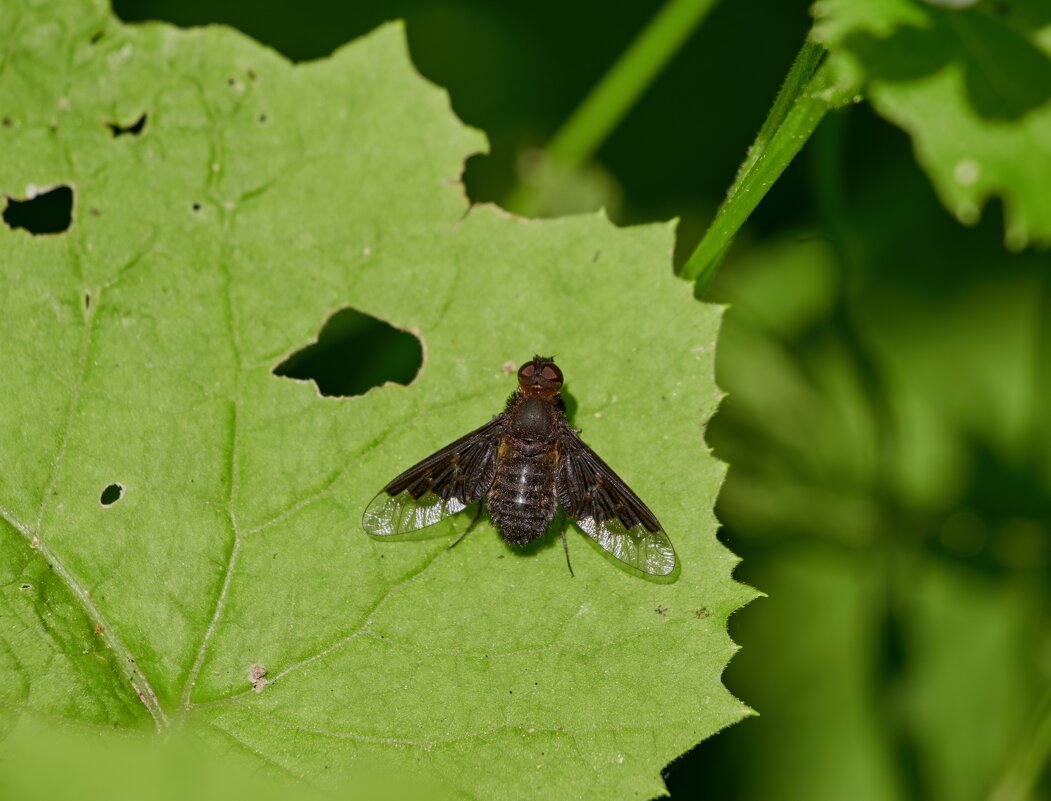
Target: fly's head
(540,376)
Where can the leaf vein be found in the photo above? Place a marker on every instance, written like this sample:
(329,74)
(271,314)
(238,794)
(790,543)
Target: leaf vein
(135,677)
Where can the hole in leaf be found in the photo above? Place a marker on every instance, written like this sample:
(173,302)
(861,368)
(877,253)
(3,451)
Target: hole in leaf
(354,353)
(134,129)
(112,494)
(48,212)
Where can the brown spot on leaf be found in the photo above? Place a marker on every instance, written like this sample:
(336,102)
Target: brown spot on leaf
(257,677)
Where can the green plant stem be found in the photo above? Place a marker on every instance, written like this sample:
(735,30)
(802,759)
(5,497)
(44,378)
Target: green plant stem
(618,90)
(801,104)
(637,68)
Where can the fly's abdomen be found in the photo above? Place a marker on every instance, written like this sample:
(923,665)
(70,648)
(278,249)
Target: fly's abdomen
(521,501)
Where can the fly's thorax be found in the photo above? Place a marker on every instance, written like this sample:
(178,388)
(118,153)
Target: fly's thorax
(533,419)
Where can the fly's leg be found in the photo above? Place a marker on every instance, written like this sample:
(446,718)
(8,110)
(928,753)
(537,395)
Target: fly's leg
(565,545)
(472,524)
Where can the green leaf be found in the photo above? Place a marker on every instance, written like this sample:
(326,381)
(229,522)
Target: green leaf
(971,86)
(138,348)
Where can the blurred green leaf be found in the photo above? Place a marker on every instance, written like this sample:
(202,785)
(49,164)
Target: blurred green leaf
(887,436)
(952,617)
(813,681)
(229,590)
(971,86)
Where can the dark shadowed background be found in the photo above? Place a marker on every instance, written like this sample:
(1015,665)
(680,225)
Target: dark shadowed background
(888,373)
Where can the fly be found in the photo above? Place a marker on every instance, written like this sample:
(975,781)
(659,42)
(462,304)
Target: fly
(524,464)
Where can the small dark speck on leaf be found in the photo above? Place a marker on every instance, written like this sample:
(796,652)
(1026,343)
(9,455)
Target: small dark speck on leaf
(98,628)
(95,37)
(701,613)
(111,494)
(87,301)
(134,128)
(660,610)
(251,74)
(596,256)
(25,586)
(94,212)
(262,118)
(6,122)
(196,207)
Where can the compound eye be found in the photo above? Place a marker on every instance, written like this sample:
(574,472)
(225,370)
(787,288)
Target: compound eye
(527,370)
(552,374)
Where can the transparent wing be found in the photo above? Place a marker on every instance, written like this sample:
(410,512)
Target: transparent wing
(645,550)
(608,511)
(401,513)
(441,485)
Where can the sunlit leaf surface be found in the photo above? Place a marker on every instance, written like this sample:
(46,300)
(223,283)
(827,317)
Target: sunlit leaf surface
(225,588)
